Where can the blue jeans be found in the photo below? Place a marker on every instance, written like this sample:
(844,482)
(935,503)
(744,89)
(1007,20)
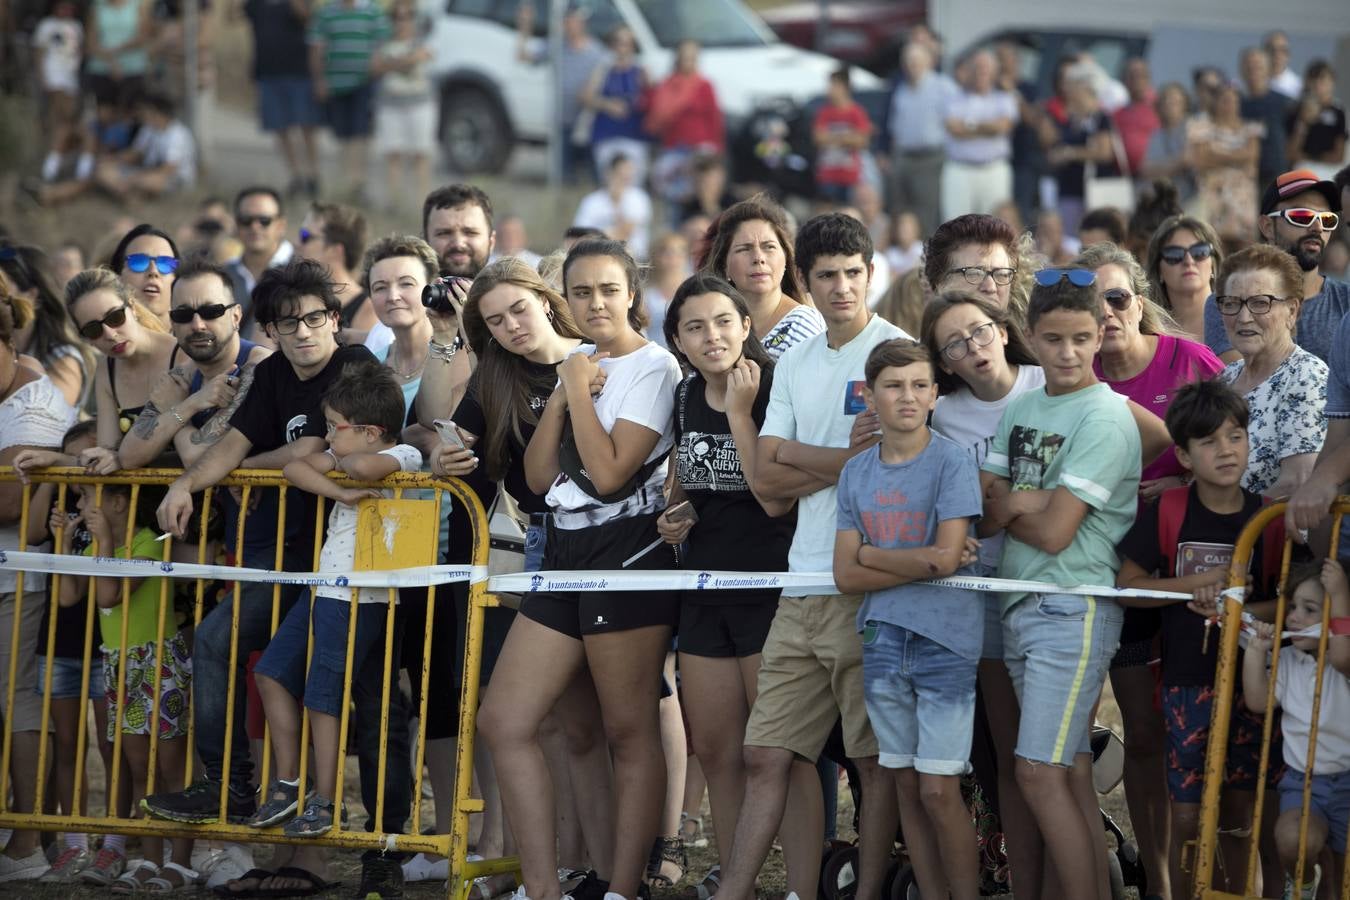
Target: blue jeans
(211,669)
(921,699)
(365,730)
(536,537)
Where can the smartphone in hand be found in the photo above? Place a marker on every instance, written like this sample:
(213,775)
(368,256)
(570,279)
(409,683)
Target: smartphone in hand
(449,434)
(681,512)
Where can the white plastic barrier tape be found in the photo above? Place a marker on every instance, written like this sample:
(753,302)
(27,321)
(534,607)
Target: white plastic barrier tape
(523,582)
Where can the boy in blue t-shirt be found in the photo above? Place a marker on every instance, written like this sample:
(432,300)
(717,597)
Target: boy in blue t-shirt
(1062,478)
(905,508)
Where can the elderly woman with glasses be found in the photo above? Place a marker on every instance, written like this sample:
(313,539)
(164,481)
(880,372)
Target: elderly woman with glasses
(135,345)
(1183,255)
(1260,292)
(981,253)
(146,259)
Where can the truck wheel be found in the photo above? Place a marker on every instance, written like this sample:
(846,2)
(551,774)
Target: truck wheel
(474,131)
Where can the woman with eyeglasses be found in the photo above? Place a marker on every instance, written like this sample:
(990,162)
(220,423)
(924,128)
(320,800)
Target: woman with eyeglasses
(45,334)
(135,345)
(982,254)
(146,259)
(1183,255)
(983,362)
(1143,358)
(1260,292)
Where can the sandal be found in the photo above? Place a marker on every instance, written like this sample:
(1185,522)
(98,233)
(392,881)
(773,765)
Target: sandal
(313,884)
(131,882)
(667,856)
(162,885)
(693,836)
(707,888)
(317,819)
(254,875)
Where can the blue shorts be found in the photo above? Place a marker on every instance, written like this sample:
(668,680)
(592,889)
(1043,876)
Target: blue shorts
(287,102)
(66,677)
(1330,800)
(351,114)
(1186,714)
(920,699)
(284,659)
(1058,648)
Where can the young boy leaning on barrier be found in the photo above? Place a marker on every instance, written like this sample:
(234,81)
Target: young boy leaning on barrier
(1310,584)
(1062,478)
(364,411)
(905,509)
(1184,544)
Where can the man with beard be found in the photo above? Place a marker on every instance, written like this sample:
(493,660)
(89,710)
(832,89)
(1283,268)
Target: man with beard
(1299,213)
(210,373)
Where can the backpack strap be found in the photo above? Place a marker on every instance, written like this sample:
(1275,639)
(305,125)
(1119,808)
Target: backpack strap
(1171,513)
(1272,549)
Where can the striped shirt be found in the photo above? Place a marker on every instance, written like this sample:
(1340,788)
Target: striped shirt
(350,34)
(799,324)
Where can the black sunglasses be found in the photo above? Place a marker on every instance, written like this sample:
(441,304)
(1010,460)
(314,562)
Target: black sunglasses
(208,311)
(264,221)
(114,318)
(1173,254)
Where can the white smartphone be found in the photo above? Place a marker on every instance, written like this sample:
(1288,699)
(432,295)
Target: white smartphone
(448,432)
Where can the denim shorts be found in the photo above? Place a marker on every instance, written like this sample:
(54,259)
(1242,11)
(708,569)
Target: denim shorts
(1330,800)
(1058,648)
(536,536)
(284,659)
(287,102)
(350,114)
(66,677)
(920,698)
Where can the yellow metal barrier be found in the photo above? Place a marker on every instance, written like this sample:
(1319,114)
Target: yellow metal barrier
(247,482)
(1227,679)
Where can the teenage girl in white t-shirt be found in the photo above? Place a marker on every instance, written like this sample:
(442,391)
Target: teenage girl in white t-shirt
(983,363)
(600,456)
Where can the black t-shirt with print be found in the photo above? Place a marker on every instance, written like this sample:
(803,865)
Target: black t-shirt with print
(1204,542)
(733,532)
(542,378)
(280,408)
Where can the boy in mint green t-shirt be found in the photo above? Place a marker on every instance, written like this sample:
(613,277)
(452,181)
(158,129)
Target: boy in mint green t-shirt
(1062,478)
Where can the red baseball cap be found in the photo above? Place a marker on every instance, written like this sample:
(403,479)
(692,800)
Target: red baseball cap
(1299,181)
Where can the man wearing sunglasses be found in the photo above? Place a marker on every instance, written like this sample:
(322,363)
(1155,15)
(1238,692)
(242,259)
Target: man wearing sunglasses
(1299,213)
(191,404)
(260,225)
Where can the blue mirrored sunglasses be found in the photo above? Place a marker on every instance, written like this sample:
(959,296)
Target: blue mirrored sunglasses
(140,262)
(1077,277)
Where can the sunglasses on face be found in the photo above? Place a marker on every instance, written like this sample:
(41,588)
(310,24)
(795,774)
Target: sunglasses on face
(1119,298)
(208,311)
(1077,277)
(140,262)
(289,324)
(264,221)
(1173,254)
(114,318)
(1300,217)
(1257,304)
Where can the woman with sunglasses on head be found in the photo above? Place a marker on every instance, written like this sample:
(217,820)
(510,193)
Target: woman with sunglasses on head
(135,346)
(1259,296)
(983,254)
(750,246)
(602,462)
(983,362)
(146,259)
(1183,255)
(1143,358)
(46,335)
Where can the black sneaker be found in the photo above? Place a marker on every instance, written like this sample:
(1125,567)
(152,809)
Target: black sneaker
(591,887)
(200,804)
(382,878)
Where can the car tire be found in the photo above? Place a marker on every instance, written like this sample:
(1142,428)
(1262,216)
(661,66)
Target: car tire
(474,131)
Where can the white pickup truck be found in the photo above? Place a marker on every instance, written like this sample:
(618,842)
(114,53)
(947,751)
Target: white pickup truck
(490,100)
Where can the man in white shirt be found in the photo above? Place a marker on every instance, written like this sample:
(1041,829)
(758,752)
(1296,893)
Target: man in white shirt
(1284,80)
(978,175)
(260,225)
(619,209)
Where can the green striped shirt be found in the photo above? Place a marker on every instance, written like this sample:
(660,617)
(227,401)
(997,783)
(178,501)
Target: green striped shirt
(350,35)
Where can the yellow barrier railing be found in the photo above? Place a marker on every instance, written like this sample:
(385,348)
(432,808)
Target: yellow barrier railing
(247,483)
(1225,687)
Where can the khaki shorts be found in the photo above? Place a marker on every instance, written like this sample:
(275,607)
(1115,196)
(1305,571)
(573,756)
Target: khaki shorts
(27,712)
(811,674)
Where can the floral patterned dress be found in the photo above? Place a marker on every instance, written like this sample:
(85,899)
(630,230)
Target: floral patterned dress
(1227,195)
(1287,415)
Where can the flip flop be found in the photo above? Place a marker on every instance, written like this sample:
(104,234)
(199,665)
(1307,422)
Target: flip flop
(316,884)
(223,890)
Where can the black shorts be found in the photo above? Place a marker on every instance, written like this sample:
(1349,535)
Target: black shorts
(576,613)
(733,629)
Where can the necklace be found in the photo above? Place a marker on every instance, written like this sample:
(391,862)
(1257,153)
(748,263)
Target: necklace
(405,376)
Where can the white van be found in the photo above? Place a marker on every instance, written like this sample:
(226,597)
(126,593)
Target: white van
(490,100)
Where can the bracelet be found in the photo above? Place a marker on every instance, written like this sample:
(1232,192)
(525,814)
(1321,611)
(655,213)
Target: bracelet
(446,352)
(173,411)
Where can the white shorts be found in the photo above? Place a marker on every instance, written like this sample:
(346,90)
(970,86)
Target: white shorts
(405,127)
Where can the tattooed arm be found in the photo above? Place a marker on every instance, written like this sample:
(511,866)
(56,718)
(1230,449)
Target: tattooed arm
(159,420)
(194,443)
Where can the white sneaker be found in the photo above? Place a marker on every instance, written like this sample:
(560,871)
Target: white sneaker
(31,866)
(226,864)
(419,868)
(521,895)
